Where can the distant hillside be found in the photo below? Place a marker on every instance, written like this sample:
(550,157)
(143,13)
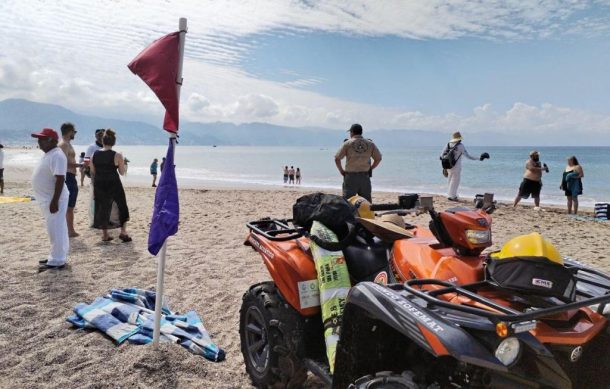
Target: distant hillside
(18,118)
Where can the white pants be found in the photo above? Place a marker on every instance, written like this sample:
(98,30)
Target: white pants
(57,228)
(455,175)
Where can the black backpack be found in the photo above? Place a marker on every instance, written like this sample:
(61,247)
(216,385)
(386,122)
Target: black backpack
(448,158)
(331,210)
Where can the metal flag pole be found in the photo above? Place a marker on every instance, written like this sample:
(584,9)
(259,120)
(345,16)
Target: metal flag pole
(172,137)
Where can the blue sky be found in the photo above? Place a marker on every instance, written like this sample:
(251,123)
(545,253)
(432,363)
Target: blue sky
(537,66)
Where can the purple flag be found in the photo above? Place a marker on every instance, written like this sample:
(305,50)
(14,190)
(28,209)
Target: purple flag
(166,210)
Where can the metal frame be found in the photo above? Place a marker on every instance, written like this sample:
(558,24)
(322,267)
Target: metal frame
(278,227)
(505,314)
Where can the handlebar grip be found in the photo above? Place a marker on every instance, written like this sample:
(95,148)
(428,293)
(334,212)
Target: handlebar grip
(385,207)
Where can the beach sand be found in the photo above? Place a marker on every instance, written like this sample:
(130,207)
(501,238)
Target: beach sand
(208,270)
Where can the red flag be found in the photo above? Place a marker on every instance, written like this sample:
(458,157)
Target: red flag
(157,65)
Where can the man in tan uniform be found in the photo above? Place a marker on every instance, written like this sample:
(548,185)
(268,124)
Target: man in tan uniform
(357,152)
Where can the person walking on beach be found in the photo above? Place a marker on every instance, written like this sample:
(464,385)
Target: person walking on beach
(81,169)
(358,170)
(453,153)
(68,132)
(153,171)
(1,169)
(532,180)
(297,176)
(571,183)
(91,149)
(286,174)
(106,165)
(48,184)
(291,175)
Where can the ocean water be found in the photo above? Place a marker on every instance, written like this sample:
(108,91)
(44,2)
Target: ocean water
(410,169)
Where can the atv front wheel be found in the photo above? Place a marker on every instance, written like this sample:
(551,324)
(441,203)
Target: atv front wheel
(386,380)
(271,334)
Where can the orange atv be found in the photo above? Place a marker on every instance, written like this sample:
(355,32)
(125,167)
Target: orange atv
(449,315)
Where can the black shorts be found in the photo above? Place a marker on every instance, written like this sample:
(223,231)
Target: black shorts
(72,189)
(1,174)
(529,187)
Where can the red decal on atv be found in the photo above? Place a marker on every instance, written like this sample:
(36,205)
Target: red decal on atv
(433,341)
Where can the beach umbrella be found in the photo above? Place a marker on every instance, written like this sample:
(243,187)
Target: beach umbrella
(160,67)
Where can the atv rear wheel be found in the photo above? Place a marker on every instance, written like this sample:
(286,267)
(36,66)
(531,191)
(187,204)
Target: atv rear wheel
(271,338)
(386,380)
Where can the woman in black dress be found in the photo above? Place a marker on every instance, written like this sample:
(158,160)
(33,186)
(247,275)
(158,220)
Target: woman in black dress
(106,165)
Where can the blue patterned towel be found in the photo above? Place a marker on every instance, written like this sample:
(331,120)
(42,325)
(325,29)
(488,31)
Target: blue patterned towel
(128,314)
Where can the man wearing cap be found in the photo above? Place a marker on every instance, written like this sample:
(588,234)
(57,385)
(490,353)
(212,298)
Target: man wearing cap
(1,169)
(357,152)
(48,183)
(454,174)
(68,132)
(532,179)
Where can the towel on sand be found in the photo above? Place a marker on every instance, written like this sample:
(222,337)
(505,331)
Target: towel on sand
(128,314)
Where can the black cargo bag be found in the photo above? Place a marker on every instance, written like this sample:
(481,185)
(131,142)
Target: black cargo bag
(533,276)
(331,210)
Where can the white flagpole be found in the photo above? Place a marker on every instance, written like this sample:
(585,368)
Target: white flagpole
(161,267)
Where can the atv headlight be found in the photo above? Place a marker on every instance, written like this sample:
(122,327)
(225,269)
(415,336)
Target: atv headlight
(508,351)
(478,236)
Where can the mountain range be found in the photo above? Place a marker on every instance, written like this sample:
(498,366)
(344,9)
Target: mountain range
(19,118)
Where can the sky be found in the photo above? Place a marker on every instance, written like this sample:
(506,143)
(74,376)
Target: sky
(522,67)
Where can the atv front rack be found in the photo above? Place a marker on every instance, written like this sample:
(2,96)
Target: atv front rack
(277,230)
(496,312)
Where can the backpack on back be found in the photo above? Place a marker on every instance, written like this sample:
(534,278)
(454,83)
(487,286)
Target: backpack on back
(448,157)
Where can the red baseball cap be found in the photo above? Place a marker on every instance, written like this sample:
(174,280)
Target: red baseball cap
(46,133)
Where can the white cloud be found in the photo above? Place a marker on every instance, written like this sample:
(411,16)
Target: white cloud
(74,53)
(256,106)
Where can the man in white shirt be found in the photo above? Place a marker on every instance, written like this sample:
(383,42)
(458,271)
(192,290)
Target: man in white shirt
(1,169)
(455,173)
(91,149)
(48,182)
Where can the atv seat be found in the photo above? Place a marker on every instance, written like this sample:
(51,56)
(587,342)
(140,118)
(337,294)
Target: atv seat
(365,258)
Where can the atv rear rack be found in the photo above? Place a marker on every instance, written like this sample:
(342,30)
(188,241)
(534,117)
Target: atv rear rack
(493,311)
(277,230)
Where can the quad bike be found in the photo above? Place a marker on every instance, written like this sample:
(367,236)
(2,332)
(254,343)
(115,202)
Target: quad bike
(439,322)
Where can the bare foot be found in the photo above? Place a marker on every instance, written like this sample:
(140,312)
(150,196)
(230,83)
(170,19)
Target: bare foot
(73,234)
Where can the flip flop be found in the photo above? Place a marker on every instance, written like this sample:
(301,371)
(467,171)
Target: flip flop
(125,238)
(44,266)
(43,262)
(107,240)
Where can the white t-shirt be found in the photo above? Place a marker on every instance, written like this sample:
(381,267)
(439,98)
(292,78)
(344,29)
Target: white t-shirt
(1,159)
(53,163)
(91,149)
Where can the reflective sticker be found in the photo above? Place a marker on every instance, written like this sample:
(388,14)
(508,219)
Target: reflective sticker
(309,294)
(381,278)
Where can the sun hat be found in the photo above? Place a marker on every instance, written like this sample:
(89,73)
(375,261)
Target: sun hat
(388,227)
(456,136)
(46,133)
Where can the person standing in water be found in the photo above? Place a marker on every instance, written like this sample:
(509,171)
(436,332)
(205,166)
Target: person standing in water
(571,183)
(291,175)
(297,176)
(286,174)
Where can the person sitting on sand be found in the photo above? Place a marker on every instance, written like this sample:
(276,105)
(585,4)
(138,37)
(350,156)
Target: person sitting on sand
(532,180)
(571,183)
